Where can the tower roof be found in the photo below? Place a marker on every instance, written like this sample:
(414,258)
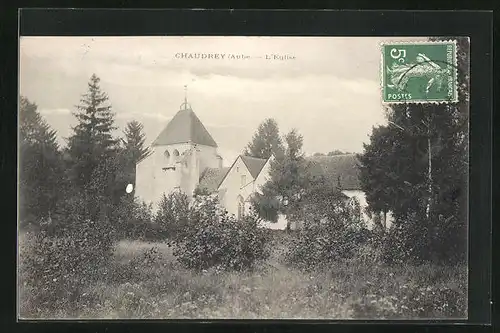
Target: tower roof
(185,126)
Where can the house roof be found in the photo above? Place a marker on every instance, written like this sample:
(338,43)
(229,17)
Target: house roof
(254,164)
(333,167)
(211,178)
(185,126)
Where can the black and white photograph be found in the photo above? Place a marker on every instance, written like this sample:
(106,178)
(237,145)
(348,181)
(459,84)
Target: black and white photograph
(243,177)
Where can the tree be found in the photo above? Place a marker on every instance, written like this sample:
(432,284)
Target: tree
(336,152)
(266,141)
(288,181)
(381,177)
(40,165)
(92,140)
(134,142)
(423,177)
(133,150)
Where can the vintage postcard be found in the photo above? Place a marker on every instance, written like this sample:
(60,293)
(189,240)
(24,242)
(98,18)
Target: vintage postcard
(243,177)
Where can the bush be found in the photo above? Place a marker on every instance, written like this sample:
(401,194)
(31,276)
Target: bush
(213,238)
(172,214)
(332,229)
(417,239)
(61,259)
(134,219)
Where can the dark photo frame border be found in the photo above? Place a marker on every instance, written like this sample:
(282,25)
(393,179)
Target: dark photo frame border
(106,22)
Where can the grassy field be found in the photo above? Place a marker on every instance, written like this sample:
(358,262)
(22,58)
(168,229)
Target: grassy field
(159,288)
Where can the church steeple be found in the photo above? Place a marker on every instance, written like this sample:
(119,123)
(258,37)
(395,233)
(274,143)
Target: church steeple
(185,127)
(185,105)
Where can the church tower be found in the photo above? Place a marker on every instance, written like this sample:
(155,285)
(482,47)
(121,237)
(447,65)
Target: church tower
(180,153)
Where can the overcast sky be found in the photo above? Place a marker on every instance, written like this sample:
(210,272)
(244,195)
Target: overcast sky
(330,92)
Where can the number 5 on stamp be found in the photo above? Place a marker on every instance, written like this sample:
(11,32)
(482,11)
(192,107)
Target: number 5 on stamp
(419,72)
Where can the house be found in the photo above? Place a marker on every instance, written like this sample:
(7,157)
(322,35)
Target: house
(236,184)
(342,172)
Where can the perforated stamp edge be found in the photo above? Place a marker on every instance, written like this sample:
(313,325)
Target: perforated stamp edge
(419,42)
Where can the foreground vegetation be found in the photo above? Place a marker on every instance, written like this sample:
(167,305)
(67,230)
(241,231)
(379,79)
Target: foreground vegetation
(145,281)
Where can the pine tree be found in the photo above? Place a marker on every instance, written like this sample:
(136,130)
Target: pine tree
(92,140)
(134,142)
(266,141)
(133,151)
(40,168)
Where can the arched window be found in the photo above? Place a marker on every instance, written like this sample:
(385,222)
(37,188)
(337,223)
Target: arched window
(241,207)
(167,154)
(175,153)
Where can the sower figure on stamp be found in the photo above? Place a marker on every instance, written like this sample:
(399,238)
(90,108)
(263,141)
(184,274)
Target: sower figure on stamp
(424,67)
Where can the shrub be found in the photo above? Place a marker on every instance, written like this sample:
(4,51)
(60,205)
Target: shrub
(172,214)
(59,262)
(134,219)
(332,229)
(418,239)
(213,238)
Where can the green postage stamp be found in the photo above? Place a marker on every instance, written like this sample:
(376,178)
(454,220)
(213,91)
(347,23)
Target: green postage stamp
(419,72)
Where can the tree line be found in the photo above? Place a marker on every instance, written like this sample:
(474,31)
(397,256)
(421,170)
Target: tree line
(95,161)
(415,167)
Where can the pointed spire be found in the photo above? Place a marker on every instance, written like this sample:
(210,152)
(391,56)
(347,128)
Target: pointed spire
(185,105)
(185,95)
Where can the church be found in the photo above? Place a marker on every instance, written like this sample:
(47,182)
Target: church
(184,158)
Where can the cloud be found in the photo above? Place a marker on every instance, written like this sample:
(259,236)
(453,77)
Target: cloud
(330,92)
(362,86)
(344,57)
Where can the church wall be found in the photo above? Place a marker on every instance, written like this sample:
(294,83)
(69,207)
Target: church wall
(232,183)
(152,181)
(143,185)
(208,157)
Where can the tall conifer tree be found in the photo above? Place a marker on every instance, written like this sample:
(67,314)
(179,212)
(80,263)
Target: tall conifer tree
(40,169)
(92,141)
(133,151)
(135,142)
